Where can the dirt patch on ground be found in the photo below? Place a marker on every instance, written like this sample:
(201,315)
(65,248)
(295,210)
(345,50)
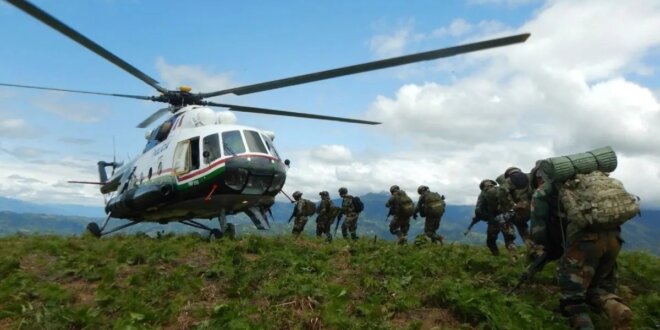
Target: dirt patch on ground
(428,318)
(84,292)
(38,265)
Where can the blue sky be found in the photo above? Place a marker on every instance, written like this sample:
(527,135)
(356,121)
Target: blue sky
(577,84)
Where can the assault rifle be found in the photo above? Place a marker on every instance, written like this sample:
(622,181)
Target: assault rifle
(536,266)
(295,212)
(338,221)
(388,215)
(475,220)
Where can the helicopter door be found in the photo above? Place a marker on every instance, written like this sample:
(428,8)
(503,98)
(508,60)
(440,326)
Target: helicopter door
(186,156)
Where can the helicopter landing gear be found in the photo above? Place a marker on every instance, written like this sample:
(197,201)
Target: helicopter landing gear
(94,229)
(226,228)
(230,231)
(215,233)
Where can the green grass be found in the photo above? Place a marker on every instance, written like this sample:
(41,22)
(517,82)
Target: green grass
(181,281)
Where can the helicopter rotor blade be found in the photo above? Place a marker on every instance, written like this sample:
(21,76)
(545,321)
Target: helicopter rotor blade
(242,108)
(369,66)
(54,23)
(153,117)
(148,98)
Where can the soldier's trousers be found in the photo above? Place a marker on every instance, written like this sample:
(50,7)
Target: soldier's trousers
(431,225)
(586,274)
(299,225)
(494,230)
(522,225)
(350,226)
(323,225)
(399,226)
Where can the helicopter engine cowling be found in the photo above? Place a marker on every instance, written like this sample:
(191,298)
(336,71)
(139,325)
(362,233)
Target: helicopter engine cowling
(140,199)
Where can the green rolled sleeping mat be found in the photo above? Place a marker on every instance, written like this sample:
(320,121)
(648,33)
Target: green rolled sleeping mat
(560,169)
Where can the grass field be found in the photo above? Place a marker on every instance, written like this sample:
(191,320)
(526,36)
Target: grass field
(183,281)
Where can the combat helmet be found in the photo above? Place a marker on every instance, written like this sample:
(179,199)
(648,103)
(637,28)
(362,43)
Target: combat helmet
(297,194)
(343,191)
(421,189)
(394,188)
(487,182)
(324,193)
(511,170)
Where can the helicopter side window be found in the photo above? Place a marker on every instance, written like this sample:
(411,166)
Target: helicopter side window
(254,142)
(211,150)
(270,146)
(232,143)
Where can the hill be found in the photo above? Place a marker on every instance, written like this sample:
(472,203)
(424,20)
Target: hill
(182,281)
(639,234)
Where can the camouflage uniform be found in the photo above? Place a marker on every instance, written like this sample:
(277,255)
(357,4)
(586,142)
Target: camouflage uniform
(324,219)
(399,225)
(432,222)
(300,219)
(492,203)
(521,198)
(350,223)
(586,269)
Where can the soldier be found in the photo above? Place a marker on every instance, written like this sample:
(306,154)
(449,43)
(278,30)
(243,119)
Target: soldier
(401,208)
(432,206)
(586,268)
(494,205)
(299,214)
(517,183)
(327,211)
(347,209)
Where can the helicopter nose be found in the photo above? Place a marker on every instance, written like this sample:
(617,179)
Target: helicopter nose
(255,175)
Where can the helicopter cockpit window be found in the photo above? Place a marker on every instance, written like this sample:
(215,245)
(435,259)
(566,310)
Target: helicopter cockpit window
(211,149)
(254,142)
(232,143)
(271,147)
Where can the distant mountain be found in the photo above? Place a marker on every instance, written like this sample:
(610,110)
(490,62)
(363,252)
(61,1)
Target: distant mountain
(640,233)
(19,206)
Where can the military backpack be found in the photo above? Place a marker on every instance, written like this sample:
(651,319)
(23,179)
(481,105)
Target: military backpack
(358,206)
(405,206)
(597,201)
(434,205)
(309,208)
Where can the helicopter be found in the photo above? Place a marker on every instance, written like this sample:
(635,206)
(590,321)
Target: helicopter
(199,164)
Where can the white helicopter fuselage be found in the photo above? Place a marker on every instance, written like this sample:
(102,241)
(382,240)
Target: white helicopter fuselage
(196,166)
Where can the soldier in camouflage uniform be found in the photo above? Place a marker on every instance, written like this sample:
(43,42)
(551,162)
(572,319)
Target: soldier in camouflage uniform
(494,206)
(427,203)
(300,219)
(587,264)
(400,223)
(326,215)
(347,209)
(518,185)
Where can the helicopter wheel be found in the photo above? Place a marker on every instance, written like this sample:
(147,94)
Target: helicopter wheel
(230,231)
(93,228)
(215,234)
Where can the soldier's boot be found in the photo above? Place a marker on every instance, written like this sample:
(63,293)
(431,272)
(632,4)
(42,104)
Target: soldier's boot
(344,233)
(511,248)
(402,239)
(581,321)
(328,237)
(439,239)
(354,236)
(620,315)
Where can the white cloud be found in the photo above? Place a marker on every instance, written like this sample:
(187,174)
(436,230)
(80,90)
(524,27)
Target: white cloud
(16,128)
(456,28)
(194,76)
(332,154)
(43,182)
(390,45)
(59,104)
